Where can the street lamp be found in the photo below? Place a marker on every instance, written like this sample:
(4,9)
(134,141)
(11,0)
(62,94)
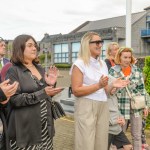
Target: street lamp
(46,61)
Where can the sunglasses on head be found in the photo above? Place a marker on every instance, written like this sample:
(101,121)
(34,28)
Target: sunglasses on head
(97,42)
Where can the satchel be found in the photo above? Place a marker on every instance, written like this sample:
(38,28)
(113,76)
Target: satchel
(137,101)
(57,110)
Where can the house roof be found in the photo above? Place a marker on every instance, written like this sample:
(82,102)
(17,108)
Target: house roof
(48,37)
(107,23)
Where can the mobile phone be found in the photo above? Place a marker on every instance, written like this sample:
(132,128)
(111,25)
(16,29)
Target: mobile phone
(59,88)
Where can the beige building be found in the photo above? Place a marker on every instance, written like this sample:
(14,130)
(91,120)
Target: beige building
(64,48)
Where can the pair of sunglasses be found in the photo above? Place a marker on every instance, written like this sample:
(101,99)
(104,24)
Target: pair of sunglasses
(97,42)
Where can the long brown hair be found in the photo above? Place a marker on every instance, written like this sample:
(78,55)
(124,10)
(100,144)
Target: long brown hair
(19,47)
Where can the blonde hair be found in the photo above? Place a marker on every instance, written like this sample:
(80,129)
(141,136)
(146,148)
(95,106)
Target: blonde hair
(84,52)
(109,48)
(124,49)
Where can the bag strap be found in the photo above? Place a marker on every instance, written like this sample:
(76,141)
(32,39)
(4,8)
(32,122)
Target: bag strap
(126,87)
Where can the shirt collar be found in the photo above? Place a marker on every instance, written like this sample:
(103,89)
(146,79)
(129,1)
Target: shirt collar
(93,60)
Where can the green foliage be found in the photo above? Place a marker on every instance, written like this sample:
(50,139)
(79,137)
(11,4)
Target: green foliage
(148,122)
(42,58)
(62,65)
(146,71)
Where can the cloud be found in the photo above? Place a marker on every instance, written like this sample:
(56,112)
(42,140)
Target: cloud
(37,17)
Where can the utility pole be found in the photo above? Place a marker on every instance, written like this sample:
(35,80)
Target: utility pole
(128,22)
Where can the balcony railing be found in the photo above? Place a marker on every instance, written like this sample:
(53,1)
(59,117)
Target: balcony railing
(145,33)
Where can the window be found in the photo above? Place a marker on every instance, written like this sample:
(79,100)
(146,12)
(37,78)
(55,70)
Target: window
(103,54)
(61,53)
(75,50)
(148,22)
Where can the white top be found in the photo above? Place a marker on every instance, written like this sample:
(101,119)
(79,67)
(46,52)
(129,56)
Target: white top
(91,75)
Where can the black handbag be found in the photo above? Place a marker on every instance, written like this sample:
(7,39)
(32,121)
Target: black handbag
(57,110)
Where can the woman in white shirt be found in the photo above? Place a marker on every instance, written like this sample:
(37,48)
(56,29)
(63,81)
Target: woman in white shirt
(89,81)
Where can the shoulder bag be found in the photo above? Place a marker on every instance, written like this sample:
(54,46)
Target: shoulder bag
(137,101)
(57,110)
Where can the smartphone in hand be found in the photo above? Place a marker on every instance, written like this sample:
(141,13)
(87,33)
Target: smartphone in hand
(59,88)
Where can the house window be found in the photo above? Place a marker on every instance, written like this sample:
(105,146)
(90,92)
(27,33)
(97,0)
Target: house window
(61,53)
(75,50)
(103,54)
(148,22)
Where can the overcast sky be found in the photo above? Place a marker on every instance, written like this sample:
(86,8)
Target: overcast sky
(37,17)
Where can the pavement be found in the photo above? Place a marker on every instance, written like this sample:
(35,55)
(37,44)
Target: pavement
(64,127)
(64,134)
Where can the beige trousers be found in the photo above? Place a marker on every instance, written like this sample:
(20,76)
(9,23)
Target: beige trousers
(91,124)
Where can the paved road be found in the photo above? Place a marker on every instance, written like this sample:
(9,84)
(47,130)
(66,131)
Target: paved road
(64,136)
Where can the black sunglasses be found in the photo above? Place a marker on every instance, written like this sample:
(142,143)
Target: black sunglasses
(97,42)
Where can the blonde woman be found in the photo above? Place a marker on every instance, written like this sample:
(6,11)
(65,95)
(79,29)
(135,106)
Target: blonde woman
(89,81)
(110,54)
(125,65)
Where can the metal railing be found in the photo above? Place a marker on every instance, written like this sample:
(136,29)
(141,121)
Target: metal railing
(145,33)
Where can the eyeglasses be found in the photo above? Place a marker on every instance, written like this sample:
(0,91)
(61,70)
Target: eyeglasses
(97,42)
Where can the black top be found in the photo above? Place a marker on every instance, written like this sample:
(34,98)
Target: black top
(108,63)
(2,96)
(24,122)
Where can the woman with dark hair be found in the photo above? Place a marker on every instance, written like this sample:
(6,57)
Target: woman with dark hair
(30,124)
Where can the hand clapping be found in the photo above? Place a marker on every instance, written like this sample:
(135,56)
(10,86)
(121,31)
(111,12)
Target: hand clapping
(103,81)
(8,89)
(119,83)
(51,76)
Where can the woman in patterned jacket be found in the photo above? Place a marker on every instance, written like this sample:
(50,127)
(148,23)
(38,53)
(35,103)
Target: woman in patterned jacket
(125,67)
